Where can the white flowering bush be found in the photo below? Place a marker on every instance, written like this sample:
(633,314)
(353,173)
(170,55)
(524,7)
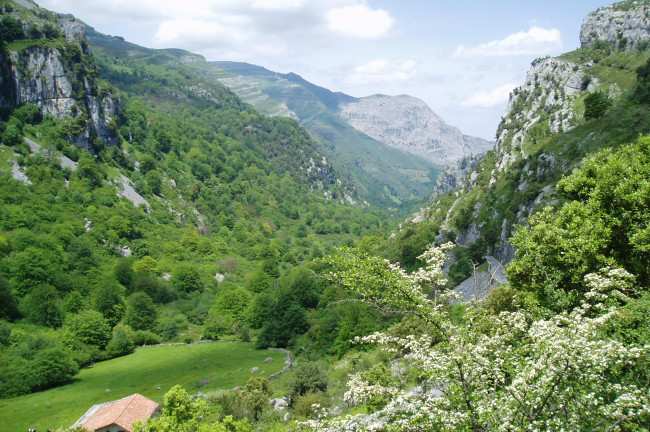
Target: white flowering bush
(509,372)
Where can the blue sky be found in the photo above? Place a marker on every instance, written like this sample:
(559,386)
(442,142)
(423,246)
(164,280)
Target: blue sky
(461,57)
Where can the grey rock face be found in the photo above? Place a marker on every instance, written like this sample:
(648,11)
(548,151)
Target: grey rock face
(455,175)
(407,123)
(550,83)
(623,29)
(279,404)
(42,76)
(74,30)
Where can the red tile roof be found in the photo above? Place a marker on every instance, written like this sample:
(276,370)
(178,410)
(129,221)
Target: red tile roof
(123,412)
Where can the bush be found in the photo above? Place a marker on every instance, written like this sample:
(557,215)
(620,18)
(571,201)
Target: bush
(308,377)
(88,327)
(12,136)
(303,407)
(186,278)
(145,337)
(121,343)
(140,313)
(596,105)
(170,330)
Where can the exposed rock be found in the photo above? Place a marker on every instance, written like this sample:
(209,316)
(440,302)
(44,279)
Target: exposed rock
(255,369)
(125,189)
(88,224)
(219,277)
(125,251)
(18,174)
(279,404)
(470,235)
(407,123)
(551,85)
(268,359)
(44,76)
(75,31)
(455,175)
(623,29)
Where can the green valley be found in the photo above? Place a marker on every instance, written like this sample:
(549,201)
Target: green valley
(150,371)
(150,200)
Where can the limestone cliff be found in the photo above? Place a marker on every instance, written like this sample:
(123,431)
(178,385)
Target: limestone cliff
(545,100)
(53,68)
(624,25)
(407,123)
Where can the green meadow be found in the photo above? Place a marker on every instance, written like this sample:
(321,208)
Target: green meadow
(202,367)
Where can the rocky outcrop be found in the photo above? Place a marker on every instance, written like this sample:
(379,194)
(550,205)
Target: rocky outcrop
(624,26)
(455,175)
(39,77)
(59,77)
(545,98)
(407,123)
(43,77)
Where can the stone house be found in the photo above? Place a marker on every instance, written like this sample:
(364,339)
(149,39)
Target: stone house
(119,415)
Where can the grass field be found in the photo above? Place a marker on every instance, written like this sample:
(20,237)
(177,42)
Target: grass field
(203,367)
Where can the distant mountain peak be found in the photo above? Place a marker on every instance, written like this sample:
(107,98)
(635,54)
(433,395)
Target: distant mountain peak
(409,124)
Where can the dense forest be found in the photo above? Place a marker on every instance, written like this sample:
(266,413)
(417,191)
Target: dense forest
(176,213)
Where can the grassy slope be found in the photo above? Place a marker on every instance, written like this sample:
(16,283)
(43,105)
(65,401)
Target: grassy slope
(225,365)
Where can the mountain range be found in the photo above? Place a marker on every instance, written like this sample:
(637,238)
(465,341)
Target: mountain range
(359,134)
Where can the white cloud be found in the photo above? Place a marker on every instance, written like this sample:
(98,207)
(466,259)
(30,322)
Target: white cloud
(489,99)
(535,41)
(382,71)
(235,25)
(360,21)
(277,4)
(199,33)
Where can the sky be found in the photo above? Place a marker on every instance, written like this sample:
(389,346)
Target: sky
(461,57)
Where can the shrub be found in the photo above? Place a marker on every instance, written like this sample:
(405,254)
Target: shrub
(596,105)
(308,377)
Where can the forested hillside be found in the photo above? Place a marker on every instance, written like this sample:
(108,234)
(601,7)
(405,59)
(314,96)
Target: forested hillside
(195,220)
(383,175)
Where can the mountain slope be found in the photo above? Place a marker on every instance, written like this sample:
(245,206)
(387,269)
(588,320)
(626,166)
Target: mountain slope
(545,133)
(195,197)
(408,124)
(382,175)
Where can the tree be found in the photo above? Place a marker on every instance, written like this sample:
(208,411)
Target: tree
(146,265)
(109,302)
(10,29)
(232,302)
(124,273)
(140,312)
(8,305)
(12,135)
(287,320)
(187,278)
(596,105)
(154,181)
(259,310)
(605,223)
(50,367)
(88,327)
(42,306)
(514,371)
(120,344)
